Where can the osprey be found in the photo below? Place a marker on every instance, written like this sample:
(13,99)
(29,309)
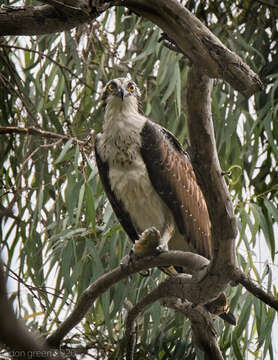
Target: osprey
(149,179)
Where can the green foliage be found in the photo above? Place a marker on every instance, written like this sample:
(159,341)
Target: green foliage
(58,232)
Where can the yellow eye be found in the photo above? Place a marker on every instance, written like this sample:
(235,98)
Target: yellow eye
(131,88)
(111,87)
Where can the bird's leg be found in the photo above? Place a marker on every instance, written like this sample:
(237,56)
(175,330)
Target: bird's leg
(166,236)
(163,246)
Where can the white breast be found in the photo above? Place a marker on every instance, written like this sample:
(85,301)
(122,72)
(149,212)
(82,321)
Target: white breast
(132,185)
(119,144)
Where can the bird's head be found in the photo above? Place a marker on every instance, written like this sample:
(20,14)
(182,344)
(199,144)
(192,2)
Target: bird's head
(122,93)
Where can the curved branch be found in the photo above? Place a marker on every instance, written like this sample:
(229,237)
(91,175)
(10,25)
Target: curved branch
(197,42)
(181,286)
(191,262)
(192,37)
(204,333)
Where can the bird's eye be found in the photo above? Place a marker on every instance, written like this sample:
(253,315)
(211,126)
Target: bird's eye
(111,87)
(131,88)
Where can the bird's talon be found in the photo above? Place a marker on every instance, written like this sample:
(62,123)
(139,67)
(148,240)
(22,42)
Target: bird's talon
(128,262)
(161,248)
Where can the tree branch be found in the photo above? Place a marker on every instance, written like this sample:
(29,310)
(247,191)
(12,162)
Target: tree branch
(197,42)
(37,132)
(268,4)
(191,262)
(203,331)
(183,286)
(192,37)
(15,335)
(240,277)
(47,19)
(209,174)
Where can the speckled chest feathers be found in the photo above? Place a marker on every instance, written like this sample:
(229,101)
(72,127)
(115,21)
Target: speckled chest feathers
(120,141)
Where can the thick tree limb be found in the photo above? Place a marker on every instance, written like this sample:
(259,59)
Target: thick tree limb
(192,37)
(45,19)
(197,42)
(206,165)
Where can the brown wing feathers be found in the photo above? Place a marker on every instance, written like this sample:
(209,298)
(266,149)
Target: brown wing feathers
(172,176)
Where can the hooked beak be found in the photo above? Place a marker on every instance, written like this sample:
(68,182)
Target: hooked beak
(122,92)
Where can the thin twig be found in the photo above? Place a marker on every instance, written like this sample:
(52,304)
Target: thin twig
(36,132)
(130,329)
(51,59)
(64,6)
(248,283)
(6,83)
(32,288)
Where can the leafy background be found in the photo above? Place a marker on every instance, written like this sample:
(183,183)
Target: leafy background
(58,232)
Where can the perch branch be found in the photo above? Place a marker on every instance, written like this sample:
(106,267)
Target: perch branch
(197,42)
(181,286)
(188,260)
